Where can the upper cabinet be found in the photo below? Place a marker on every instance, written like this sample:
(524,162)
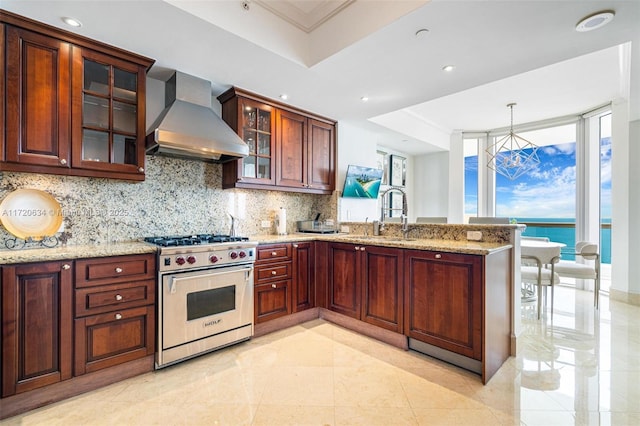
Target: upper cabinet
(290,149)
(73,106)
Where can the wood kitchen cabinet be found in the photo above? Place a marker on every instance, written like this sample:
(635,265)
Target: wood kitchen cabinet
(49,352)
(304,289)
(115,311)
(272,290)
(74,106)
(366,283)
(444,300)
(36,325)
(344,283)
(301,155)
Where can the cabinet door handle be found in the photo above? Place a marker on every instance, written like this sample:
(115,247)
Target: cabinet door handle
(63,161)
(141,169)
(118,297)
(438,256)
(362,248)
(66,266)
(274,273)
(118,316)
(273,253)
(295,246)
(118,270)
(274,286)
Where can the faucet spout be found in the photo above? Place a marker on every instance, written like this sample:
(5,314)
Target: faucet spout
(388,207)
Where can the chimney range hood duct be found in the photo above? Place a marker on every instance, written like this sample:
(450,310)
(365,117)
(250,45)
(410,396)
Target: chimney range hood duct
(189,128)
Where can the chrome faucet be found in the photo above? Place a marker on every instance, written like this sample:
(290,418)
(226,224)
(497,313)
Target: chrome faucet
(405,225)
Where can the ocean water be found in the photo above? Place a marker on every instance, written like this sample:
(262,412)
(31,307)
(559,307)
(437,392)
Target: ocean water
(566,235)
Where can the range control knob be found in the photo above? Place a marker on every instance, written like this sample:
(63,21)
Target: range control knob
(242,255)
(191,260)
(180,260)
(233,255)
(213,258)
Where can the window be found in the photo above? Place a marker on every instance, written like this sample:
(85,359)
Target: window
(470,177)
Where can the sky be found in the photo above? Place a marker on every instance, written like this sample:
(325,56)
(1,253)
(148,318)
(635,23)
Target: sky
(547,191)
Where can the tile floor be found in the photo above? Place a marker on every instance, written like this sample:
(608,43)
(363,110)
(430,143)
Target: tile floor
(582,369)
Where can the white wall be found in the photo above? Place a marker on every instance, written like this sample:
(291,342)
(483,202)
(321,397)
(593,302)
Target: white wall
(359,146)
(431,184)
(634,207)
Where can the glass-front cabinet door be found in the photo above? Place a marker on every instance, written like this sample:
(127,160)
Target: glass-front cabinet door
(256,129)
(108,114)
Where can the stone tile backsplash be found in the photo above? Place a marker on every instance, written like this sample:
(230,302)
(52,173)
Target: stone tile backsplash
(177,197)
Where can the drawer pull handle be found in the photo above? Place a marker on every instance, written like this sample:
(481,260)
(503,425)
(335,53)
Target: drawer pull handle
(295,246)
(274,273)
(118,270)
(357,248)
(66,266)
(362,248)
(118,316)
(273,253)
(438,256)
(273,286)
(119,297)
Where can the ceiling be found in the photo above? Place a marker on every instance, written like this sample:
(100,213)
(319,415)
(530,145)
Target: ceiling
(327,55)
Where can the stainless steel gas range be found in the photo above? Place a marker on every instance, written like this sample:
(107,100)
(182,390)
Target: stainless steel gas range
(205,294)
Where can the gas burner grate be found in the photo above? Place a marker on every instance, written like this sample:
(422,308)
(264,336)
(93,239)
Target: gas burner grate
(178,241)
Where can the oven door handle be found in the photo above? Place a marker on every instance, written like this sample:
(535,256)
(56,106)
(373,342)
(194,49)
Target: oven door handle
(175,280)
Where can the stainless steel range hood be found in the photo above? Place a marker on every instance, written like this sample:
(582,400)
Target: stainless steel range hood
(189,128)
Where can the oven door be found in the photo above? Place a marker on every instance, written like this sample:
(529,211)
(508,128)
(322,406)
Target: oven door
(203,303)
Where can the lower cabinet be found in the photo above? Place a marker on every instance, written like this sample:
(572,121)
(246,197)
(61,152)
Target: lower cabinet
(443,301)
(272,300)
(284,279)
(344,284)
(44,343)
(112,338)
(272,290)
(366,283)
(115,311)
(303,288)
(36,325)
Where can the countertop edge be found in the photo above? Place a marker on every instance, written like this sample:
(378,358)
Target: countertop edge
(450,246)
(31,255)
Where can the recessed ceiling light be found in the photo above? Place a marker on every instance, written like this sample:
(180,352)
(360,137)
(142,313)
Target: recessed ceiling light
(448,68)
(284,96)
(364,99)
(71,22)
(595,21)
(422,33)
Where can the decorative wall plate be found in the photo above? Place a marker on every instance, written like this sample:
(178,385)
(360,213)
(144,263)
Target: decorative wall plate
(30,213)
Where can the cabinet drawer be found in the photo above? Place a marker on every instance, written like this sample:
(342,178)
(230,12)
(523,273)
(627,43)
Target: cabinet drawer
(273,252)
(96,300)
(109,339)
(111,270)
(273,272)
(272,300)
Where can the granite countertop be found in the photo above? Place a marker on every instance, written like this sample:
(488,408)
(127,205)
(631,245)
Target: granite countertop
(27,255)
(450,246)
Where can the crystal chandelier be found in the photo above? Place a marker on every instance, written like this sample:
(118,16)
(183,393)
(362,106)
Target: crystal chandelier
(512,156)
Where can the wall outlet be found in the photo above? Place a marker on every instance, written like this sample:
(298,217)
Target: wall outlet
(265,224)
(474,235)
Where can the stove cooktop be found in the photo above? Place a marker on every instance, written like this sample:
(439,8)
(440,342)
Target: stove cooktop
(191,240)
